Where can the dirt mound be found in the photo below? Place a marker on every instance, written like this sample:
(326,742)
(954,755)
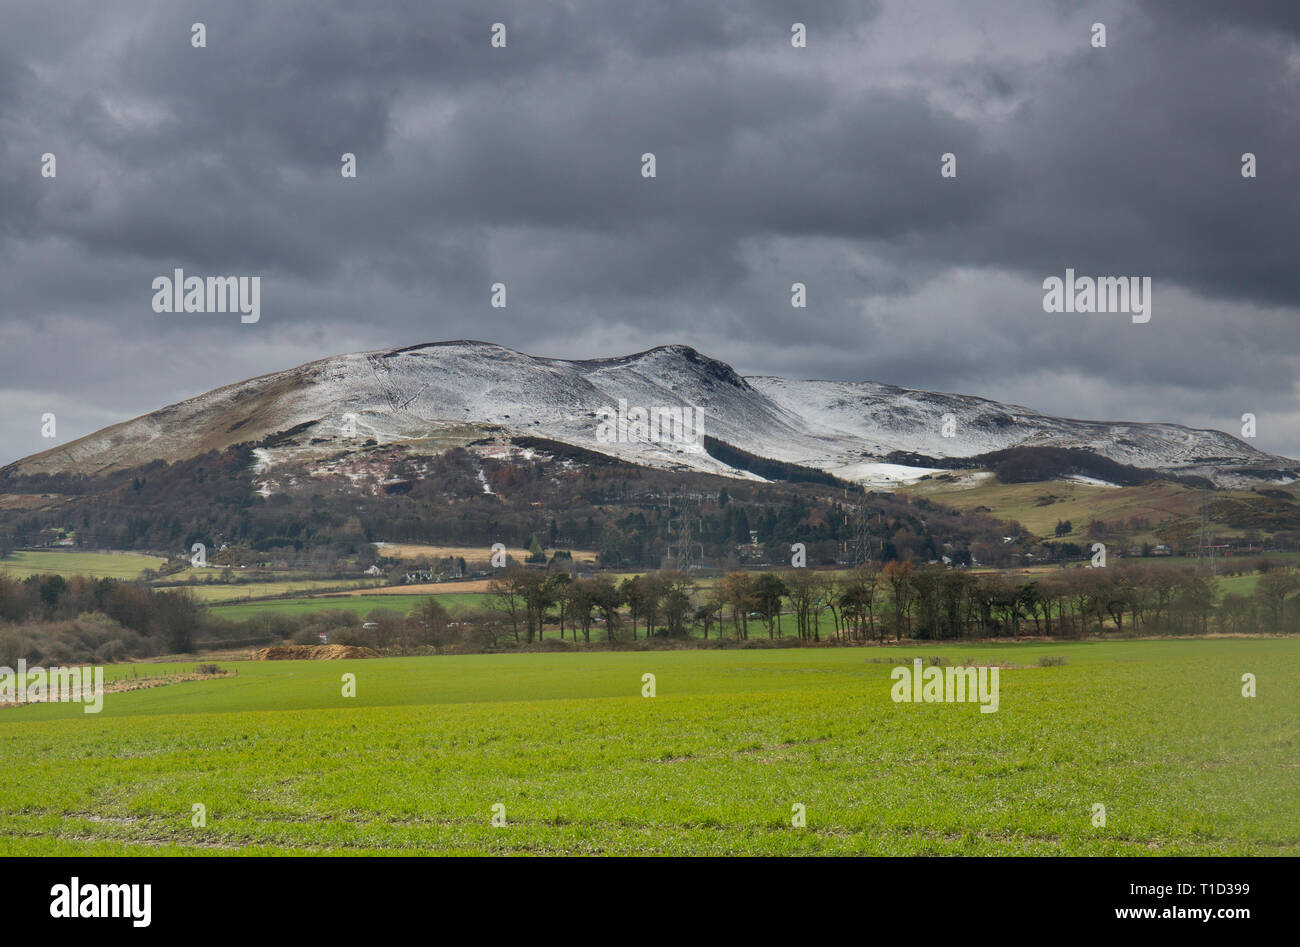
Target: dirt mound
(313,652)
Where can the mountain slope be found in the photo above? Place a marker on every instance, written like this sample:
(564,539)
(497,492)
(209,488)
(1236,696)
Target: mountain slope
(453,393)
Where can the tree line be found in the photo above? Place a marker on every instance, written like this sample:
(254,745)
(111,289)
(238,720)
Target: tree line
(52,619)
(894,600)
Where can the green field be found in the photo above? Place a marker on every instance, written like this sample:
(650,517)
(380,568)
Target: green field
(1237,584)
(100,565)
(1157,731)
(454,602)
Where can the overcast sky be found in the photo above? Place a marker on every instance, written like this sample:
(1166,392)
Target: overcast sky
(774,165)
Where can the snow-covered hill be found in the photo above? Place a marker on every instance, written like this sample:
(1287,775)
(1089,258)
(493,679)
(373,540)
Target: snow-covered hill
(442,394)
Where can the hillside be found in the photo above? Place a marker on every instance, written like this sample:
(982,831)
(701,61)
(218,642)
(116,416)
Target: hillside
(453,394)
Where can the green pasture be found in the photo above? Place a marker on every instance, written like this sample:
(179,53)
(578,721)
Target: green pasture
(1157,732)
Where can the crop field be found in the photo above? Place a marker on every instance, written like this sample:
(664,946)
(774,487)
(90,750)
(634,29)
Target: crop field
(235,591)
(100,565)
(455,602)
(579,761)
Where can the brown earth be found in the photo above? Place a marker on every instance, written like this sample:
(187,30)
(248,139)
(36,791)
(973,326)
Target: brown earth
(312,652)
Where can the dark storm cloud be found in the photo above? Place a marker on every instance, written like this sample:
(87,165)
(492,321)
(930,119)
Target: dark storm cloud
(1266,16)
(774,165)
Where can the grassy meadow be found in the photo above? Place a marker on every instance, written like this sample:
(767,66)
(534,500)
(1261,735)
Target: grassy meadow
(454,602)
(99,565)
(1157,731)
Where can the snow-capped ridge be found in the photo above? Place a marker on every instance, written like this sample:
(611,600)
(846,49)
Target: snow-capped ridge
(439,394)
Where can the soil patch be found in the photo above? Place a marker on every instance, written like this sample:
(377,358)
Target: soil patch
(312,652)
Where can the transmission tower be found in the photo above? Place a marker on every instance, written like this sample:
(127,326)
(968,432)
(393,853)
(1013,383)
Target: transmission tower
(860,525)
(1205,552)
(683,530)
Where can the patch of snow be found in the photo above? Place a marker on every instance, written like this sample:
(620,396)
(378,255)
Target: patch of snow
(882,475)
(1090,481)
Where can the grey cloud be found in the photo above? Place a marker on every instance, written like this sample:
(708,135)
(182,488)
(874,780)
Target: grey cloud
(775,165)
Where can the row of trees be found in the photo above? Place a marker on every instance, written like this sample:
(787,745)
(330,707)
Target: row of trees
(897,600)
(936,604)
(524,597)
(53,619)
